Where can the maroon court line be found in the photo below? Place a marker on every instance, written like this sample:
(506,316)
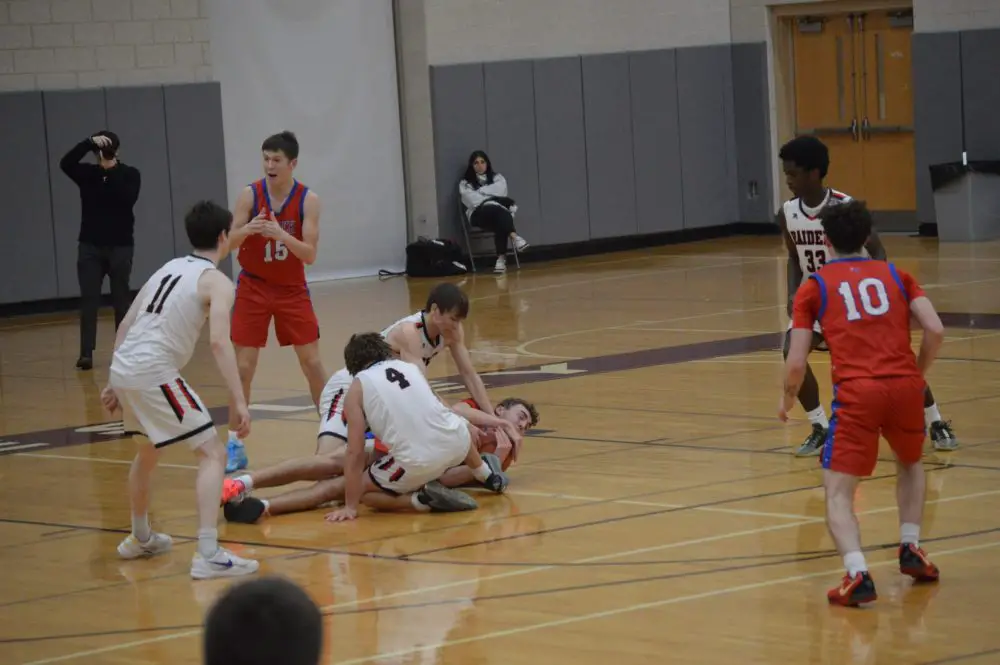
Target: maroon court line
(515,376)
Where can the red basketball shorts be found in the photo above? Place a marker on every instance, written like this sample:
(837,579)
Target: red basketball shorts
(257,302)
(865,408)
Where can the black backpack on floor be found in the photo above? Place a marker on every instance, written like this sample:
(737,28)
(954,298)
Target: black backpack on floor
(432,257)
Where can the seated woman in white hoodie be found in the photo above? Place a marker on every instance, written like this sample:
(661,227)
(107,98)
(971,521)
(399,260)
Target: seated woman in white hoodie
(484,195)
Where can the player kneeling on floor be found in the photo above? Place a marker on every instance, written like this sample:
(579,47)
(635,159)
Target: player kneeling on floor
(424,438)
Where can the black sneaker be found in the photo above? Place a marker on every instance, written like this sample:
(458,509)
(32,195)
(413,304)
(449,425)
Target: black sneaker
(85,362)
(247,511)
(442,499)
(498,480)
(942,436)
(813,443)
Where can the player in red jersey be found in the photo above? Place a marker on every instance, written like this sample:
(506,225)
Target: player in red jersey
(241,507)
(276,228)
(864,307)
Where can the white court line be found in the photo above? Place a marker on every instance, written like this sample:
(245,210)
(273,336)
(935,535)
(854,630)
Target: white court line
(568,497)
(804,519)
(6,446)
(653,504)
(706,330)
(101,460)
(636,607)
(700,257)
(895,259)
(280,408)
(527,571)
(641,273)
(522,349)
(948,285)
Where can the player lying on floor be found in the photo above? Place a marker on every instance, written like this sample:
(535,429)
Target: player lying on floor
(239,506)
(423,437)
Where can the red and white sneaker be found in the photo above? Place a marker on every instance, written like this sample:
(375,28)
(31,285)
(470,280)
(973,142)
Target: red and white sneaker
(853,591)
(913,561)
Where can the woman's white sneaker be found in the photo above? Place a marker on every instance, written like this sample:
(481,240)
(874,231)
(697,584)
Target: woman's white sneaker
(520,244)
(131,548)
(221,564)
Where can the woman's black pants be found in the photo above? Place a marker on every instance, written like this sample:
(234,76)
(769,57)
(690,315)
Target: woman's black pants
(497,219)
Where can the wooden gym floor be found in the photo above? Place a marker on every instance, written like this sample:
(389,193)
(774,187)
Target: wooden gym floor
(657,512)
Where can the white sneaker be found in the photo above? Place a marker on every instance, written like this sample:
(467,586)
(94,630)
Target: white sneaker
(221,564)
(520,244)
(501,265)
(131,548)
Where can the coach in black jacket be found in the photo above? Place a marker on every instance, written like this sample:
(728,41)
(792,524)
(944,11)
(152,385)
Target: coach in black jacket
(108,192)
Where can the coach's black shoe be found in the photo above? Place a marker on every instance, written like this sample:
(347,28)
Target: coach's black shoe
(498,480)
(85,362)
(247,511)
(942,436)
(441,499)
(813,443)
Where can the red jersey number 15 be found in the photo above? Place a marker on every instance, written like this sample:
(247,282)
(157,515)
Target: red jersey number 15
(275,250)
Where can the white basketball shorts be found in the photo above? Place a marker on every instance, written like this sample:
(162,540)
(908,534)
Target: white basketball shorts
(166,414)
(446,451)
(331,405)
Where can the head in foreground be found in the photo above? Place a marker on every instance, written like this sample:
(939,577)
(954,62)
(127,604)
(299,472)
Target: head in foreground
(207,225)
(447,306)
(364,350)
(847,227)
(261,622)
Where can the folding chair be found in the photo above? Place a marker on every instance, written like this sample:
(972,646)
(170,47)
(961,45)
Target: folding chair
(471,232)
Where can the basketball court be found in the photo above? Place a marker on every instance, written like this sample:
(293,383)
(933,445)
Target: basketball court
(657,512)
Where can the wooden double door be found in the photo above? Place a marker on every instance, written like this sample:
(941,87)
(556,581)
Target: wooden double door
(853,89)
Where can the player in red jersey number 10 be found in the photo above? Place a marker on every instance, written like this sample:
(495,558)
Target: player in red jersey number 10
(276,228)
(865,307)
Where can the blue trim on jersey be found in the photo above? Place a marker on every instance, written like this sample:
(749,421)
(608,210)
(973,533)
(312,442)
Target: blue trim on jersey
(302,203)
(827,454)
(899,282)
(850,259)
(822,295)
(267,196)
(256,203)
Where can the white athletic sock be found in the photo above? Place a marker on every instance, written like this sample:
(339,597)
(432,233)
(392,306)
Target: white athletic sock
(855,563)
(420,507)
(482,473)
(208,542)
(931,414)
(818,417)
(267,505)
(246,480)
(141,529)
(909,533)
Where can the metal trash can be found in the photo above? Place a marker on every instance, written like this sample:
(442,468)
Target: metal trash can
(967,200)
